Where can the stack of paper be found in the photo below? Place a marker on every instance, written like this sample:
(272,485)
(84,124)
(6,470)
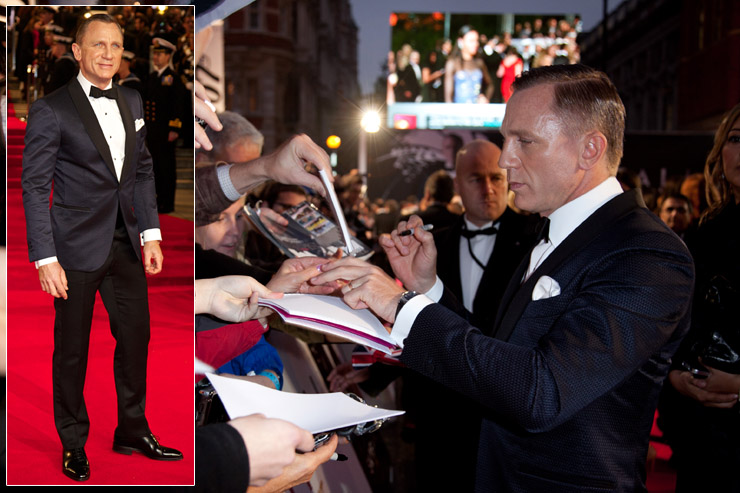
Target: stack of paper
(330,315)
(313,412)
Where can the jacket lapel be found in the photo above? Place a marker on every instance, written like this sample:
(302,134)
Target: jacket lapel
(452,255)
(128,125)
(518,296)
(90,121)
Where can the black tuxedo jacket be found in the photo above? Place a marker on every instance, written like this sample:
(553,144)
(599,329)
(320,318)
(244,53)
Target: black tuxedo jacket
(65,145)
(431,405)
(570,382)
(514,240)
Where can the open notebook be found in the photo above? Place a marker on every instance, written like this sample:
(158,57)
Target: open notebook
(330,315)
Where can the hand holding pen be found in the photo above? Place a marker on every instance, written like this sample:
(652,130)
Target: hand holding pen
(410,231)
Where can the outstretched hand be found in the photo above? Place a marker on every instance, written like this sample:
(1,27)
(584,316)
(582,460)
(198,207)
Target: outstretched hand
(294,276)
(271,445)
(300,470)
(290,163)
(232,298)
(413,258)
(203,111)
(364,286)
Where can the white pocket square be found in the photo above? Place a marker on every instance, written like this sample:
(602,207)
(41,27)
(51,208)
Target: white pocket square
(139,123)
(546,287)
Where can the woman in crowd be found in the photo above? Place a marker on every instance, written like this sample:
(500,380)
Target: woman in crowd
(466,77)
(699,408)
(509,69)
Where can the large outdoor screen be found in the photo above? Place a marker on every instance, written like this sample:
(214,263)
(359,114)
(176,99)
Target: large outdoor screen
(455,70)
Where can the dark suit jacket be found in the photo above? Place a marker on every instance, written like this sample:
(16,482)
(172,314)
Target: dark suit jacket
(431,404)
(65,145)
(571,381)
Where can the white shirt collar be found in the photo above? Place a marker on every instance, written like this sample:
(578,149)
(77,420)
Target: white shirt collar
(86,84)
(472,227)
(565,219)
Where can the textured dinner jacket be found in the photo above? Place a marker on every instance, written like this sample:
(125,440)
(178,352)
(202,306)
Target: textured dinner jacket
(65,145)
(571,381)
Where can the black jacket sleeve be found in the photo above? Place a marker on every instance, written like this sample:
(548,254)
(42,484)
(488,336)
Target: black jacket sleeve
(221,459)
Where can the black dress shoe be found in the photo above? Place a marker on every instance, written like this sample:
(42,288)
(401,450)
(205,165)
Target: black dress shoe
(147,445)
(75,464)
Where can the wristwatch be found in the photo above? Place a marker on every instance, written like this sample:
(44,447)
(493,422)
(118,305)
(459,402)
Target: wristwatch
(405,297)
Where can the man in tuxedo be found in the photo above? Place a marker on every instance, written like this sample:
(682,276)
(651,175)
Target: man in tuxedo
(571,372)
(476,257)
(88,141)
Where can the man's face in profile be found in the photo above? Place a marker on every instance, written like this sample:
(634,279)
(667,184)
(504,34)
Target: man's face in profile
(99,52)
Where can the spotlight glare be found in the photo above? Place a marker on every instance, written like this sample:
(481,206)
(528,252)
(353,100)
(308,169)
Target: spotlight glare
(370,122)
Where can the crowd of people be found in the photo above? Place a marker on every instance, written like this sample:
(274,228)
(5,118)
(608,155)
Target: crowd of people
(517,350)
(157,62)
(477,67)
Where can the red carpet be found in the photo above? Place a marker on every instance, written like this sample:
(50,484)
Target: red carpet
(33,448)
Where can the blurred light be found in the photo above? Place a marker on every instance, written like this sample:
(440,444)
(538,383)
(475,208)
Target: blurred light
(370,122)
(404,122)
(162,8)
(393,20)
(438,16)
(333,142)
(87,15)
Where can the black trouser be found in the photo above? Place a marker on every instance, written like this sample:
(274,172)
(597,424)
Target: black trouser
(165,169)
(122,284)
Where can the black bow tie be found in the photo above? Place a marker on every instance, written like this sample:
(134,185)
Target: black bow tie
(100,93)
(491,230)
(543,230)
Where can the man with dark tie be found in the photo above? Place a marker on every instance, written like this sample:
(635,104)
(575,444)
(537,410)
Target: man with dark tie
(570,373)
(476,258)
(87,140)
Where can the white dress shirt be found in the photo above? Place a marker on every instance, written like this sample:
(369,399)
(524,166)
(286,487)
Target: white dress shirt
(470,272)
(563,221)
(109,117)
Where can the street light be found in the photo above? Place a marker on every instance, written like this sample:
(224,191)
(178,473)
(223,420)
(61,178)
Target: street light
(333,142)
(370,123)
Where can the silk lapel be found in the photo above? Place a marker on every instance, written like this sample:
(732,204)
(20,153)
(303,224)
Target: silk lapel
(90,121)
(453,259)
(503,249)
(128,125)
(518,297)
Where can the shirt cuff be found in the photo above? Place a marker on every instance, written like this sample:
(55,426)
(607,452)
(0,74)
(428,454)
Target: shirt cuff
(406,317)
(224,179)
(153,234)
(435,294)
(44,261)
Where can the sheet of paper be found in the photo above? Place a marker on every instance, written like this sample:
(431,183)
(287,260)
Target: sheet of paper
(336,207)
(313,412)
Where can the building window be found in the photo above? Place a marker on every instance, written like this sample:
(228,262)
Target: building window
(252,95)
(254,17)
